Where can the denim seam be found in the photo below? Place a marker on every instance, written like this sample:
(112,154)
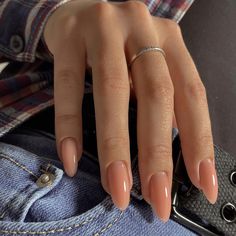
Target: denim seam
(8,205)
(18,164)
(60,230)
(108,226)
(52,231)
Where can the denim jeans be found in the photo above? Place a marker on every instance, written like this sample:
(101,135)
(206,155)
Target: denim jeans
(69,206)
(31,204)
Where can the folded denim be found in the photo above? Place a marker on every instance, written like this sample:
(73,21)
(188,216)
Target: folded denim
(69,206)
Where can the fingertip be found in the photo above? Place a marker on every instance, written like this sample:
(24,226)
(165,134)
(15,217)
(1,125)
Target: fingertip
(70,173)
(160,195)
(118,184)
(208,180)
(123,206)
(69,156)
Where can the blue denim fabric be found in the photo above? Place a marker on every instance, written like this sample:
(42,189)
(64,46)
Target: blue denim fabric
(70,206)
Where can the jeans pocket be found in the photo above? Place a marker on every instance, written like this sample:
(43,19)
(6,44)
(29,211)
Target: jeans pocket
(20,176)
(37,198)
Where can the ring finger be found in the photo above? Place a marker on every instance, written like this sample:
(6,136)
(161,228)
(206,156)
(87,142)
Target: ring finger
(154,92)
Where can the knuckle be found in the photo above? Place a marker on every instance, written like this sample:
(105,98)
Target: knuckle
(115,84)
(115,143)
(110,81)
(157,90)
(66,77)
(204,144)
(102,11)
(103,68)
(65,74)
(67,119)
(135,5)
(197,91)
(171,26)
(205,141)
(138,8)
(161,152)
(68,23)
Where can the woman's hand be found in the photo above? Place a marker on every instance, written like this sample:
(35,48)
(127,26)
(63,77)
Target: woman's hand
(105,36)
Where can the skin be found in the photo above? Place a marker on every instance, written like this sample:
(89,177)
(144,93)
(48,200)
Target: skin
(104,37)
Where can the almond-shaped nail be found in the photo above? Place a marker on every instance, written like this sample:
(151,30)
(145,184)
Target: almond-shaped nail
(160,195)
(69,156)
(208,180)
(118,184)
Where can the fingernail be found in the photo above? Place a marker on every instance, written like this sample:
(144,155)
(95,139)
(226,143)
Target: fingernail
(118,184)
(69,156)
(160,195)
(208,180)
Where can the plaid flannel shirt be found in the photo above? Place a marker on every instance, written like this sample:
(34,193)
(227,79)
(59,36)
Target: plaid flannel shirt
(26,84)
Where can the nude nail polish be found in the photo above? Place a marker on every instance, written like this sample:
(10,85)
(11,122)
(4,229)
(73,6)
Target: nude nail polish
(208,180)
(160,195)
(69,156)
(118,184)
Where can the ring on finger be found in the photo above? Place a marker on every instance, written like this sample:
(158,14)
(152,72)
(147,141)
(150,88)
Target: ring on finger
(145,50)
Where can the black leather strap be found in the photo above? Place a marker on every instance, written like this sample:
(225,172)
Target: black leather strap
(220,218)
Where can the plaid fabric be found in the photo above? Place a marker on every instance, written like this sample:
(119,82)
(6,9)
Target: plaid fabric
(26,85)
(172,9)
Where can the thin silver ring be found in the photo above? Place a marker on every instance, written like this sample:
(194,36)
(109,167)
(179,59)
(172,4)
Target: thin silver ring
(144,50)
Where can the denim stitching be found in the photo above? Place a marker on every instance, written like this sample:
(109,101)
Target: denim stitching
(8,205)
(17,164)
(108,226)
(53,231)
(2,155)
(2,215)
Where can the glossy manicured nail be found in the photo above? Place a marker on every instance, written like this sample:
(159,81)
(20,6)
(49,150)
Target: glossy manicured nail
(118,184)
(69,156)
(208,180)
(160,195)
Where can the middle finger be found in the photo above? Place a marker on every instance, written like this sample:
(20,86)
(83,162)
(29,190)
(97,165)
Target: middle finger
(111,91)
